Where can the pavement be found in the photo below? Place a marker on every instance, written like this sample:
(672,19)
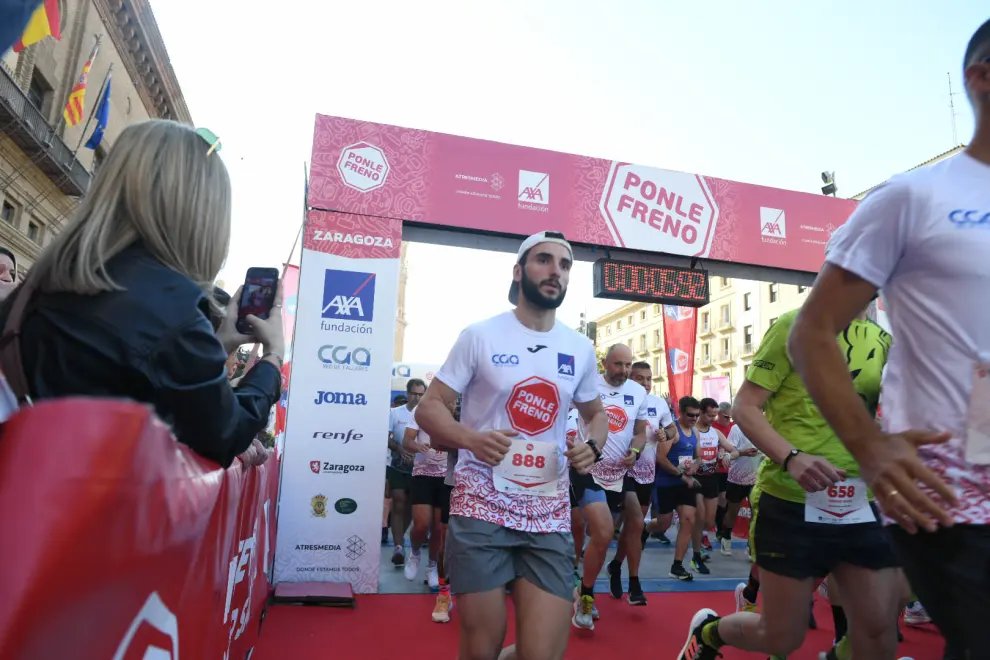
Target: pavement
(726,572)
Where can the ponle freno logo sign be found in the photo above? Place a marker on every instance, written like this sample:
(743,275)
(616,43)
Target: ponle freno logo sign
(659,210)
(363,167)
(617,418)
(533,406)
(338,435)
(348,299)
(344,358)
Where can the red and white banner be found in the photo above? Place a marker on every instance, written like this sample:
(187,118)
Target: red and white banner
(363,168)
(716,387)
(680,325)
(118,542)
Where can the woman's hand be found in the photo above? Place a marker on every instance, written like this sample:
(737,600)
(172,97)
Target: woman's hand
(256,454)
(227,333)
(269,331)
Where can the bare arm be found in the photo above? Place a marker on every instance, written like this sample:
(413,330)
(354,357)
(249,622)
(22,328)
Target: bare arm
(639,435)
(392,444)
(663,448)
(670,431)
(727,446)
(409,443)
(747,410)
(595,421)
(433,416)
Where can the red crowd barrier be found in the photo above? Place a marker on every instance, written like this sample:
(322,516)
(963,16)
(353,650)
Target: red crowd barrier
(117,541)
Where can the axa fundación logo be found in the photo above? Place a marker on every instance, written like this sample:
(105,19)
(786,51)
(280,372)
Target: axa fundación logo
(356,547)
(534,191)
(773,226)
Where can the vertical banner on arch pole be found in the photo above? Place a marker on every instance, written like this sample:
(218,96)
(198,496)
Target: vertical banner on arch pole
(680,325)
(330,506)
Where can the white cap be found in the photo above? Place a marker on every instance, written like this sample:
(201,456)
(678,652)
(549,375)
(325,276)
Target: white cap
(530,243)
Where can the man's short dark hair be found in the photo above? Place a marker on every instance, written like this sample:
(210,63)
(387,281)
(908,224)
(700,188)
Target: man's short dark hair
(640,365)
(978,46)
(414,382)
(688,402)
(707,403)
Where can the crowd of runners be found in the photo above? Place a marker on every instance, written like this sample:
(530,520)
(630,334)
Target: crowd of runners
(528,460)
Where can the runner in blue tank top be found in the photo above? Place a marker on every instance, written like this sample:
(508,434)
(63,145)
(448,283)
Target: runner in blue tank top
(676,486)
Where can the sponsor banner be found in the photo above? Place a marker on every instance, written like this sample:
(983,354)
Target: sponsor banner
(680,326)
(330,505)
(456,182)
(403,371)
(716,387)
(168,548)
(290,296)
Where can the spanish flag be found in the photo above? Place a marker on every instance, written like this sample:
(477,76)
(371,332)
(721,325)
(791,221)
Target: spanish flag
(44,22)
(73,112)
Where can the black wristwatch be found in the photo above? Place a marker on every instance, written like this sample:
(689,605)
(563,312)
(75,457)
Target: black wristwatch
(594,447)
(792,454)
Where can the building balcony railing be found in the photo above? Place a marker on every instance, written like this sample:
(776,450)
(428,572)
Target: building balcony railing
(725,324)
(705,330)
(746,350)
(726,356)
(28,129)
(703,362)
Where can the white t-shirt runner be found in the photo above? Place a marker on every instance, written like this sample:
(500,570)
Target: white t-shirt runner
(657,419)
(624,405)
(923,238)
(431,464)
(398,420)
(511,377)
(742,471)
(708,450)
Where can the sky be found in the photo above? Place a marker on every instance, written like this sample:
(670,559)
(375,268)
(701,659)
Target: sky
(767,92)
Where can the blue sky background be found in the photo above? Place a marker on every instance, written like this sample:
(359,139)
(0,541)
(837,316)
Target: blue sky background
(762,92)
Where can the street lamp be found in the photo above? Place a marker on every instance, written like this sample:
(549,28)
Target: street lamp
(828,178)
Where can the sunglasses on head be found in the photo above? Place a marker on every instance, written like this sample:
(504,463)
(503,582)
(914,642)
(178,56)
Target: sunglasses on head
(692,415)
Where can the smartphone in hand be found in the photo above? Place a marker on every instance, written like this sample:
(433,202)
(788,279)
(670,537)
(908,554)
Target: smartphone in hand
(257,296)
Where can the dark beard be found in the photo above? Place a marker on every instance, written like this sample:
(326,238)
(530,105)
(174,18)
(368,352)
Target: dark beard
(533,294)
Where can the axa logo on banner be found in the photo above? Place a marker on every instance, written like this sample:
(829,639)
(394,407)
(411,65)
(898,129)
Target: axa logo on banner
(773,226)
(356,239)
(344,358)
(678,313)
(659,210)
(679,361)
(533,406)
(348,297)
(340,398)
(534,191)
(363,167)
(617,418)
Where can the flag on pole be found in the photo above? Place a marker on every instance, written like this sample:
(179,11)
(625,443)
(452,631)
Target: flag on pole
(73,112)
(45,22)
(102,116)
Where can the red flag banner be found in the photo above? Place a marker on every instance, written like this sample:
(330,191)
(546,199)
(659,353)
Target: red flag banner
(680,326)
(290,294)
(118,542)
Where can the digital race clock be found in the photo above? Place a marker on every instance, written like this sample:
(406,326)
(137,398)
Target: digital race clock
(662,285)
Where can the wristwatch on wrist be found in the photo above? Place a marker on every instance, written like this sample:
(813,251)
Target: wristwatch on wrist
(790,455)
(594,447)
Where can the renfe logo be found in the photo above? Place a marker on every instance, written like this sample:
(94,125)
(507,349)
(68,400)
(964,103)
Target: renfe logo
(340,398)
(533,406)
(659,210)
(534,189)
(617,418)
(679,361)
(349,296)
(338,435)
(773,225)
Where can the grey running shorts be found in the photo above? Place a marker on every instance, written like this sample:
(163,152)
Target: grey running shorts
(482,556)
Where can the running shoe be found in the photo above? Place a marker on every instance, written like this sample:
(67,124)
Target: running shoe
(743,605)
(699,566)
(705,543)
(662,537)
(432,576)
(915,615)
(678,571)
(399,557)
(695,647)
(615,579)
(726,547)
(636,595)
(412,566)
(441,611)
(583,617)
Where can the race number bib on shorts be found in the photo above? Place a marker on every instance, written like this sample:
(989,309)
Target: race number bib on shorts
(978,418)
(845,503)
(530,468)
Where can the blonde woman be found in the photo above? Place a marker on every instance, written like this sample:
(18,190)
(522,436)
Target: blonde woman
(120,301)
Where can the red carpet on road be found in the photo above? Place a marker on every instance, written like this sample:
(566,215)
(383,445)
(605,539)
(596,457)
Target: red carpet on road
(399,626)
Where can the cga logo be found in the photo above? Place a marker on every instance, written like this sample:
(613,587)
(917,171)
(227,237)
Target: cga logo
(503,360)
(348,296)
(344,358)
(319,506)
(678,360)
(401,371)
(773,225)
(340,398)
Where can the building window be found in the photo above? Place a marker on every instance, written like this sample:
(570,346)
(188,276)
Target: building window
(705,321)
(656,309)
(725,314)
(39,93)
(725,348)
(34,231)
(725,282)
(629,343)
(608,330)
(656,338)
(748,337)
(656,367)
(642,315)
(802,289)
(773,293)
(772,321)
(642,343)
(618,324)
(7,212)
(629,320)
(747,302)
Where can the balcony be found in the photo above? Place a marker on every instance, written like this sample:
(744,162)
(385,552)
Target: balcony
(703,362)
(726,357)
(725,324)
(27,128)
(747,350)
(705,330)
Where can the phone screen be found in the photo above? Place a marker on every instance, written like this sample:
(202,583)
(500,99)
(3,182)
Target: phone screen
(258,295)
